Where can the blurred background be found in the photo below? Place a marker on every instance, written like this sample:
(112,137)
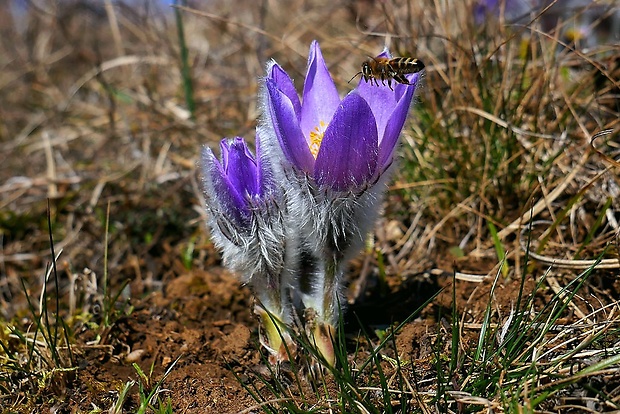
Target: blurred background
(104,106)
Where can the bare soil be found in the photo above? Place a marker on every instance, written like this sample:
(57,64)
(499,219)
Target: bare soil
(201,317)
(204,319)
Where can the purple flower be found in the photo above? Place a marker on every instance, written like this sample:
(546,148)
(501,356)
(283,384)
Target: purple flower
(332,154)
(289,218)
(341,144)
(237,182)
(246,211)
(247,220)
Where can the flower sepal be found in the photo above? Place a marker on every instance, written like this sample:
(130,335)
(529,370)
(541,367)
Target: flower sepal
(322,336)
(277,340)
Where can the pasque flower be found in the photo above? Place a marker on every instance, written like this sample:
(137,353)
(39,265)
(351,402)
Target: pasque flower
(334,153)
(247,221)
(343,144)
(289,218)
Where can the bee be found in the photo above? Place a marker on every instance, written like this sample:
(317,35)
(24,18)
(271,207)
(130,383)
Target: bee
(386,69)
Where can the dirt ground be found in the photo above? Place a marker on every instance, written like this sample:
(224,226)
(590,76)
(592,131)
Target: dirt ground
(204,319)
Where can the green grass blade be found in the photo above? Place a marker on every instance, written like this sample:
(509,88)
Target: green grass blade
(499,249)
(188,87)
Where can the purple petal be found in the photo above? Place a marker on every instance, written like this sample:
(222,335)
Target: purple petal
(240,167)
(286,126)
(389,136)
(320,98)
(218,188)
(348,155)
(381,99)
(385,53)
(285,84)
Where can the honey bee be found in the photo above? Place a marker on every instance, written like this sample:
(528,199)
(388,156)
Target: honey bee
(386,69)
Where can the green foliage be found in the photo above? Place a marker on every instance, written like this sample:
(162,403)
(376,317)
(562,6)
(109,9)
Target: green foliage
(42,354)
(188,87)
(149,391)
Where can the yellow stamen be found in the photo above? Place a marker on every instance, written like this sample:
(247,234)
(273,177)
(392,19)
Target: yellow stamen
(316,136)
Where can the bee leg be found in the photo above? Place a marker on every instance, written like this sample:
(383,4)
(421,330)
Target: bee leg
(390,84)
(402,79)
(385,77)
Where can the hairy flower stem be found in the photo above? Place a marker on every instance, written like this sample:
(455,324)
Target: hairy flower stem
(274,310)
(331,290)
(320,323)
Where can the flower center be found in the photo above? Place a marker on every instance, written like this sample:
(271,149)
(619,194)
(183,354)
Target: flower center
(316,136)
